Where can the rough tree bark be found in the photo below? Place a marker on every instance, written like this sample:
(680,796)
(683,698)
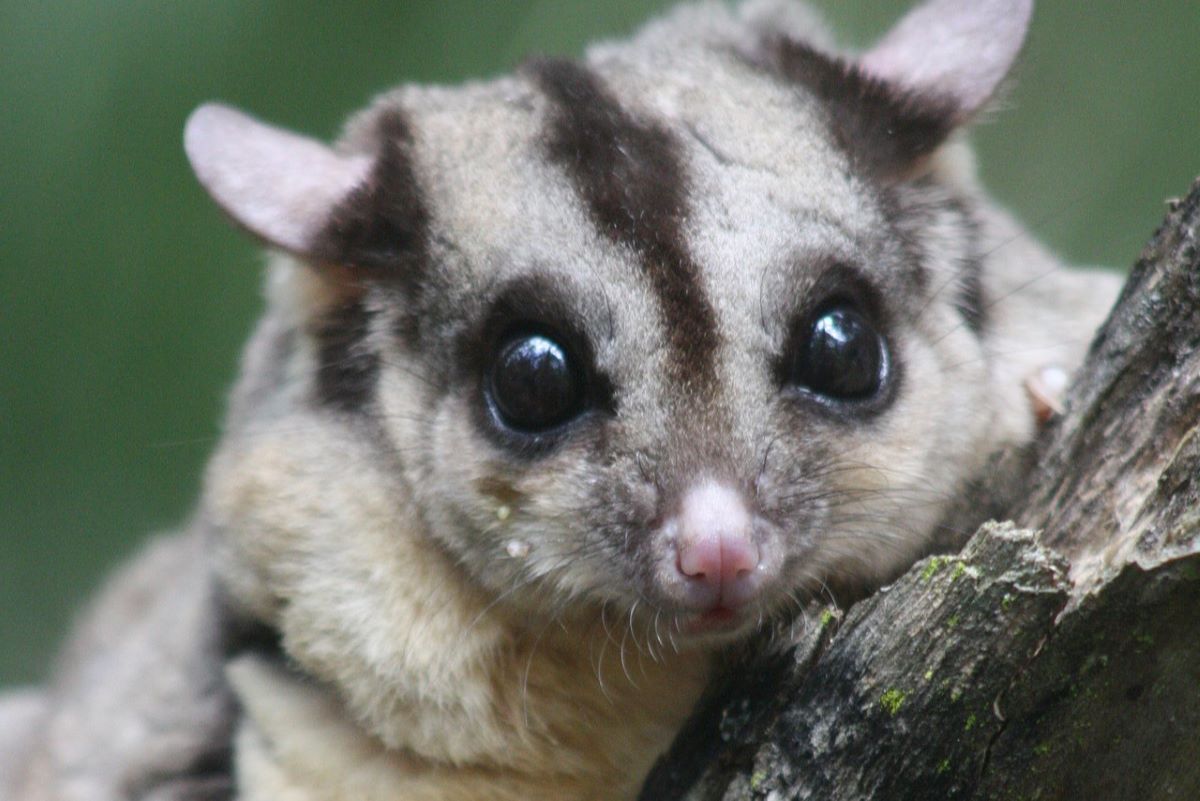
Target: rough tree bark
(1057,656)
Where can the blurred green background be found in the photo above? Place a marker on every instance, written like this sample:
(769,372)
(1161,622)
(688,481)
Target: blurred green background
(126,297)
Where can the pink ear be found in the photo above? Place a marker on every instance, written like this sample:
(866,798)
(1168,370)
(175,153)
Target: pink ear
(280,186)
(959,50)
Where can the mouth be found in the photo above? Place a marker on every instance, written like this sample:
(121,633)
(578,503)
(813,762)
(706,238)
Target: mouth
(718,620)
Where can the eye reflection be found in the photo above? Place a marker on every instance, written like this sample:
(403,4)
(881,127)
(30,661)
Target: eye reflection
(535,384)
(842,357)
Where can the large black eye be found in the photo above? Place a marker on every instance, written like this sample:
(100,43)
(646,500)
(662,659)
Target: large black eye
(841,356)
(535,383)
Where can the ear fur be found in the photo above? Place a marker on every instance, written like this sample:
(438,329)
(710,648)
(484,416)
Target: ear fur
(280,186)
(897,103)
(959,50)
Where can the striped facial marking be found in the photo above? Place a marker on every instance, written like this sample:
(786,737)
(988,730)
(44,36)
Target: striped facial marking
(885,128)
(629,174)
(382,227)
(379,232)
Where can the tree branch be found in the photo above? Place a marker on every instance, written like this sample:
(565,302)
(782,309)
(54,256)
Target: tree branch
(1056,657)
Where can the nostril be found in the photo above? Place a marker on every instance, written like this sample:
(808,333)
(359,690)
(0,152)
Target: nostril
(715,553)
(700,559)
(722,568)
(739,557)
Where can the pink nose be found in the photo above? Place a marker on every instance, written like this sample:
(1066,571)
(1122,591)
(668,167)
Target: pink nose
(716,554)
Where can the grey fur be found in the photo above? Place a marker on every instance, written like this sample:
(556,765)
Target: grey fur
(459,614)
(139,707)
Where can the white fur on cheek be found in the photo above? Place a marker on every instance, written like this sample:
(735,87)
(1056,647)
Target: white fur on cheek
(422,662)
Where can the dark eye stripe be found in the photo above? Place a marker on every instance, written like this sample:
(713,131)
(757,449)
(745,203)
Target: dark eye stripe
(970,299)
(628,173)
(347,367)
(380,232)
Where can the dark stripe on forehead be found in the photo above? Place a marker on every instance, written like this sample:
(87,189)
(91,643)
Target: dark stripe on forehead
(382,227)
(378,234)
(628,173)
(884,128)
